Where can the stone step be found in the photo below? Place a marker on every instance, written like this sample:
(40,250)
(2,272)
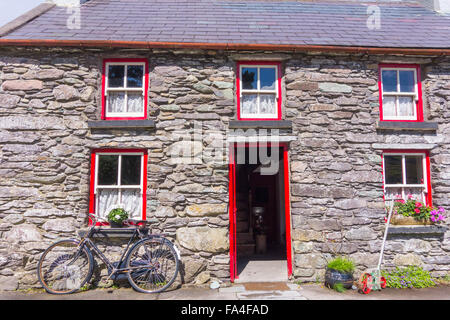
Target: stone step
(245,249)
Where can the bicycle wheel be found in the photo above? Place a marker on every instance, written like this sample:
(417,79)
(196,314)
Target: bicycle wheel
(153,265)
(64,268)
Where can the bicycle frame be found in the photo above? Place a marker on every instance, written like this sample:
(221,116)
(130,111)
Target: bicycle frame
(86,241)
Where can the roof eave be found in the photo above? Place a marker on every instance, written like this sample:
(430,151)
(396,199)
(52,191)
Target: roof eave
(221,46)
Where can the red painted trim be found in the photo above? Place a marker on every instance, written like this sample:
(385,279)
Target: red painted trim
(144,186)
(92,208)
(232,205)
(238,87)
(232,214)
(429,196)
(419,105)
(428,170)
(146,87)
(91,187)
(287,210)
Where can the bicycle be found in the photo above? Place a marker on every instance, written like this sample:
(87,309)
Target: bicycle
(151,264)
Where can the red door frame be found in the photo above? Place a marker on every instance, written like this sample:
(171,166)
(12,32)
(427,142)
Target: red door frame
(233,209)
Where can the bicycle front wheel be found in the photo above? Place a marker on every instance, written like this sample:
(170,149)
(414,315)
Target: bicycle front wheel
(64,267)
(153,265)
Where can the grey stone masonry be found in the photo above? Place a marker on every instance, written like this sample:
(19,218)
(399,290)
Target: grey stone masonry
(50,101)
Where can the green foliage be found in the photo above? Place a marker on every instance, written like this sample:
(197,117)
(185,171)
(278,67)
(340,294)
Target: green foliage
(117,215)
(409,277)
(342,264)
(339,287)
(418,210)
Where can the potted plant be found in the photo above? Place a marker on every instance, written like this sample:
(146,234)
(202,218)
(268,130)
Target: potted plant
(339,273)
(116,217)
(416,212)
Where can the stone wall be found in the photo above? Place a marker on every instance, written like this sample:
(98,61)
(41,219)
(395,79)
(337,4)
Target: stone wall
(47,97)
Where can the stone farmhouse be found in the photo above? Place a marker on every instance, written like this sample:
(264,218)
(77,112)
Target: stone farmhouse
(197,114)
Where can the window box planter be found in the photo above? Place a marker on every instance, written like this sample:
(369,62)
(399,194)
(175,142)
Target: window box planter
(408,221)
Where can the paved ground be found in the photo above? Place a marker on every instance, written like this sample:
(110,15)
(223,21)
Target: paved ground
(258,291)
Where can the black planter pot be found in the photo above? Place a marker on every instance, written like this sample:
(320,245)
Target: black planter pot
(113,224)
(333,276)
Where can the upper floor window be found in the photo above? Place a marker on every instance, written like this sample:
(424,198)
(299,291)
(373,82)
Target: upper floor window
(400,93)
(125,85)
(258,91)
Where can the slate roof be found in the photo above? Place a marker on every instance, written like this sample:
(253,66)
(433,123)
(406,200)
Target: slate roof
(244,22)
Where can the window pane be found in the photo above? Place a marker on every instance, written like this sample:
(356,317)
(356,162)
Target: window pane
(249,104)
(393,169)
(267,104)
(389,106)
(107,170)
(134,76)
(249,78)
(389,80)
(116,75)
(393,193)
(267,78)
(135,102)
(131,200)
(116,101)
(130,170)
(414,169)
(405,106)
(407,81)
(107,200)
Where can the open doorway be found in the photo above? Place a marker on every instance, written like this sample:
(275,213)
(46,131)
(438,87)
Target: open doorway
(260,230)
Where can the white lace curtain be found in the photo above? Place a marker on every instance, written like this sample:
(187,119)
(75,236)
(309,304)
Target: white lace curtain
(116,102)
(266,104)
(128,199)
(405,106)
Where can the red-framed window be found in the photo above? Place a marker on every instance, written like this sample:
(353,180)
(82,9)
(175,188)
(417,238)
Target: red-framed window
(118,179)
(400,91)
(124,89)
(258,88)
(406,175)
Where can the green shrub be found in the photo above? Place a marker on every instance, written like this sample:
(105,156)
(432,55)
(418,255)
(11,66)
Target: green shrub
(409,277)
(342,264)
(117,215)
(339,287)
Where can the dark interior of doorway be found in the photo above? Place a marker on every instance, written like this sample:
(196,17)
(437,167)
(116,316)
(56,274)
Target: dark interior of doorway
(257,190)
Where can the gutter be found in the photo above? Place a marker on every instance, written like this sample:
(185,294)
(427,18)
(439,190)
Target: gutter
(220,46)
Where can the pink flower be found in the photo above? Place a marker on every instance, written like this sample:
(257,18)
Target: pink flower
(409,196)
(418,204)
(417,210)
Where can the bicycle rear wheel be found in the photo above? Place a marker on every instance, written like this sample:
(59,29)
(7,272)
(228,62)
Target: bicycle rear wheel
(64,268)
(153,265)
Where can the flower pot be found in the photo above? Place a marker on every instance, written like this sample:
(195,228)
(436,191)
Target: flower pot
(334,276)
(114,224)
(402,220)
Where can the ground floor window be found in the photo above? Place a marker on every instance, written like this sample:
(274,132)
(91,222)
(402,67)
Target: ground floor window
(118,179)
(407,176)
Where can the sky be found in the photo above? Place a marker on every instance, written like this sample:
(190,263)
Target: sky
(11,9)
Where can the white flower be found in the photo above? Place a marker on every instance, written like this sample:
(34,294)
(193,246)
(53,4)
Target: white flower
(117,217)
